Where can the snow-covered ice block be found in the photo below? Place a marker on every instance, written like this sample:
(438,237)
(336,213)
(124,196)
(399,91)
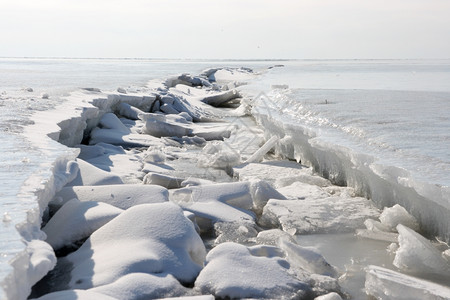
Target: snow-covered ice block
(42,259)
(75,295)
(377,235)
(392,216)
(278,173)
(128,111)
(149,238)
(328,215)
(113,159)
(272,237)
(218,155)
(235,232)
(138,286)
(259,154)
(200,297)
(235,271)
(417,255)
(160,125)
(212,131)
(111,121)
(261,192)
(307,259)
(116,137)
(329,296)
(385,284)
(91,175)
(169,182)
(301,191)
(122,196)
(77,220)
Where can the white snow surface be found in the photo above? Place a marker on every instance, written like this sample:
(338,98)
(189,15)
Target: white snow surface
(235,271)
(148,238)
(77,220)
(122,196)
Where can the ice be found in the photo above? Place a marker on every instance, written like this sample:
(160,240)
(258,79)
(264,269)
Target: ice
(332,214)
(235,271)
(387,284)
(166,181)
(128,111)
(418,256)
(261,192)
(259,155)
(122,196)
(137,286)
(307,259)
(159,125)
(77,220)
(222,202)
(148,238)
(278,173)
(384,185)
(392,216)
(218,155)
(301,191)
(91,175)
(272,237)
(243,233)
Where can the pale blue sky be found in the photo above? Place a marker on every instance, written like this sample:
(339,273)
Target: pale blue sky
(226,29)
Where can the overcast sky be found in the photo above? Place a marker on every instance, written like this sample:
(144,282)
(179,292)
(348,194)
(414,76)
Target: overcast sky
(225,28)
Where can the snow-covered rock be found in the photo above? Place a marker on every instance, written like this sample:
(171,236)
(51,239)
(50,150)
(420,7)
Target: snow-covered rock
(385,284)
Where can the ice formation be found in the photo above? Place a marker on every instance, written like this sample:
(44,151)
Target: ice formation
(387,284)
(119,233)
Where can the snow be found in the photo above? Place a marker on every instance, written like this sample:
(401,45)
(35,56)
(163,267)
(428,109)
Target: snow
(122,196)
(77,220)
(91,175)
(387,284)
(137,286)
(418,256)
(148,238)
(75,295)
(235,271)
(330,296)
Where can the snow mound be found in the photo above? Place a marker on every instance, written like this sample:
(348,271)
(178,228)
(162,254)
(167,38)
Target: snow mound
(77,220)
(75,295)
(91,175)
(149,238)
(235,271)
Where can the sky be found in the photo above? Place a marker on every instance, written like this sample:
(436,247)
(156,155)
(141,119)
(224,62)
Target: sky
(226,29)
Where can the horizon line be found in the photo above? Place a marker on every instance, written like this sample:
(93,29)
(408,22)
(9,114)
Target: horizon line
(213,59)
